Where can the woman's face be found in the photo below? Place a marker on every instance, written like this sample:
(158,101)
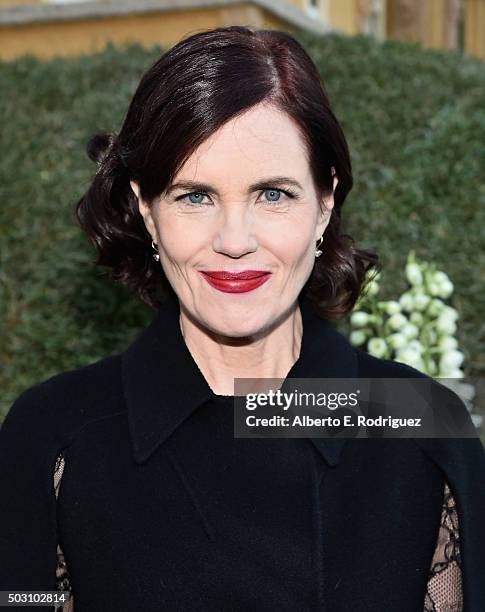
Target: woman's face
(244,201)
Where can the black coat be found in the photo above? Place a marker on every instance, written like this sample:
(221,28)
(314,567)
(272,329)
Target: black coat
(160,508)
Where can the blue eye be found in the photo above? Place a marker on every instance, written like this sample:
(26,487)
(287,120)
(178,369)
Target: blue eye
(196,195)
(274,195)
(273,192)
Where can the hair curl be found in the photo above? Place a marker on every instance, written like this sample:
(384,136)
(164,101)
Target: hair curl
(185,96)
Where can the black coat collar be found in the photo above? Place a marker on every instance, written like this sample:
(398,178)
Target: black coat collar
(163,385)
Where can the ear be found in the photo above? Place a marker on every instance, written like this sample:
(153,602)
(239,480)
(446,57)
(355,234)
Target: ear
(135,188)
(326,207)
(145,211)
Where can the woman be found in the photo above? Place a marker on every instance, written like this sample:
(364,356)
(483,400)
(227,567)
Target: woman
(219,204)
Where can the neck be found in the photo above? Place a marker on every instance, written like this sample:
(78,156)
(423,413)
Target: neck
(270,354)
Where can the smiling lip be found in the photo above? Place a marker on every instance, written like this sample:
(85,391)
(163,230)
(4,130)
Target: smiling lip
(236,282)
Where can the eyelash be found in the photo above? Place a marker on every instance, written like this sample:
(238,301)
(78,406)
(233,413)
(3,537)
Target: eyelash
(288,192)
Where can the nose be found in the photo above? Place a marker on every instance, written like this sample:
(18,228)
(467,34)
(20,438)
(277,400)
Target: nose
(234,236)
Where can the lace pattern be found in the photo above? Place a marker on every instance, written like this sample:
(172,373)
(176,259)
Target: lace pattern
(444,586)
(62,575)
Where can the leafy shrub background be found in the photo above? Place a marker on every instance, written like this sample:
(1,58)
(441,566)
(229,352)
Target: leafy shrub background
(415,123)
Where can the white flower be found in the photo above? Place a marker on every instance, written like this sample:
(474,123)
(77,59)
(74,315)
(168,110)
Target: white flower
(373,288)
(406,301)
(414,274)
(450,313)
(446,343)
(397,341)
(397,321)
(392,307)
(451,360)
(411,357)
(447,289)
(445,325)
(377,347)
(434,289)
(416,345)
(416,318)
(409,330)
(440,277)
(359,318)
(421,300)
(358,337)
(436,307)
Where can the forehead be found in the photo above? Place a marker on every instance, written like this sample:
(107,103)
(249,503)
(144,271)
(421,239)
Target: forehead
(262,141)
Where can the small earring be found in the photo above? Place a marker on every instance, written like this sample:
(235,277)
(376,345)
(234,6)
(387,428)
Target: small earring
(156,256)
(318,252)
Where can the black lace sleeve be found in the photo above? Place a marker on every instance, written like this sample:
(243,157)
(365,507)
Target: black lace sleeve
(62,574)
(444,588)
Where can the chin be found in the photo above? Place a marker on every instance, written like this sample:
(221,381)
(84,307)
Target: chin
(239,324)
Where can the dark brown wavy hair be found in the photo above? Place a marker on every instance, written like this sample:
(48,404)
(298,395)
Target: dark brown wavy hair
(190,92)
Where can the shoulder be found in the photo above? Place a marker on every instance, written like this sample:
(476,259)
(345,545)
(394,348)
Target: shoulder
(449,412)
(64,402)
(442,397)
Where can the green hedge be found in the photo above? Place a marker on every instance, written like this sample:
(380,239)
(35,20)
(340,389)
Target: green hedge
(415,123)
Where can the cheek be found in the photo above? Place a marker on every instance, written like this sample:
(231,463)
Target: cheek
(292,242)
(179,239)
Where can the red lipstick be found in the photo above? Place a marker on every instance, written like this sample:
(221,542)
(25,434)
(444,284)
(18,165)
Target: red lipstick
(235,282)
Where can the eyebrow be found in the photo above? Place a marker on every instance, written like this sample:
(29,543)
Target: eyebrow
(273,181)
